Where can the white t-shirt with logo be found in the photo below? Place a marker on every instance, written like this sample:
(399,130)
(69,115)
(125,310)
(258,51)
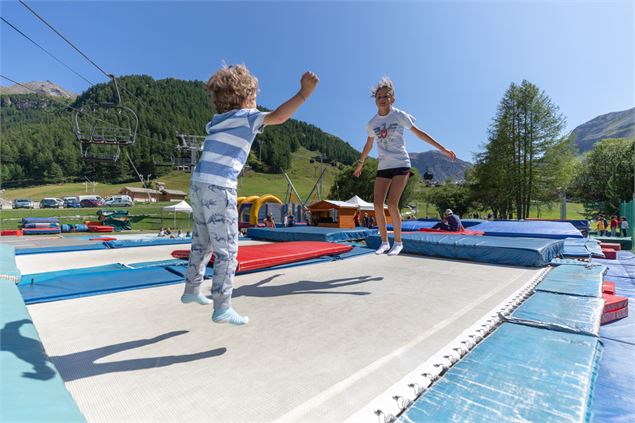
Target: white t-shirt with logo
(388,133)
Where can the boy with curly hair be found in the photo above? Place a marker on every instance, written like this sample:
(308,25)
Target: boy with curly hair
(232,90)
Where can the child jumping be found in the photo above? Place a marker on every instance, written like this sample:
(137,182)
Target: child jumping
(232,90)
(387,126)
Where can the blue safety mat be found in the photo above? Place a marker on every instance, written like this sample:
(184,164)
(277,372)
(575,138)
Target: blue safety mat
(529,229)
(574,280)
(310,233)
(414,225)
(561,312)
(31,389)
(146,242)
(561,261)
(159,263)
(582,248)
(61,249)
(94,283)
(486,249)
(27,220)
(467,223)
(614,391)
(518,373)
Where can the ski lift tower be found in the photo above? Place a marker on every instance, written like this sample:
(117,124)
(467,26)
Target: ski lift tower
(191,143)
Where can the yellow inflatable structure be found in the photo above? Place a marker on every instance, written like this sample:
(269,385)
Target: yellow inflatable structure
(255,202)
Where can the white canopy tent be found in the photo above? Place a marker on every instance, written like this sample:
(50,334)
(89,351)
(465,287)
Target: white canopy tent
(361,204)
(175,208)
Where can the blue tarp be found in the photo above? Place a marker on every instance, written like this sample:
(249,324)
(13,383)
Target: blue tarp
(486,249)
(614,391)
(518,373)
(561,312)
(37,278)
(93,283)
(61,249)
(31,389)
(574,280)
(310,233)
(529,229)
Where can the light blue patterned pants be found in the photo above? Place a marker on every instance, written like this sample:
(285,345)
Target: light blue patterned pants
(215,231)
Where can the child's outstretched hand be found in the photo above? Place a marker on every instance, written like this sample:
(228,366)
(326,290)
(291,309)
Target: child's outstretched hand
(358,170)
(307,84)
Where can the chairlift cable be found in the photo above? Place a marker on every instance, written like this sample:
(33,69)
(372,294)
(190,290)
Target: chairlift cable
(45,50)
(65,39)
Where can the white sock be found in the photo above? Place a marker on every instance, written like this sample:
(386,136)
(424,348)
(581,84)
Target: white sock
(396,249)
(385,246)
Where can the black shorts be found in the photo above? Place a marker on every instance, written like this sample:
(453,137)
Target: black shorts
(395,171)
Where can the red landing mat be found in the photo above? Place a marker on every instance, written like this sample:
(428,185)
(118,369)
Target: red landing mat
(252,257)
(464,232)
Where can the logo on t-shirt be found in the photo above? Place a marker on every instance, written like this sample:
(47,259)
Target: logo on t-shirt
(382,132)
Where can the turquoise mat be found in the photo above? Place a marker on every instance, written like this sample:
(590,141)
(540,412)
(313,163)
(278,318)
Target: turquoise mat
(518,374)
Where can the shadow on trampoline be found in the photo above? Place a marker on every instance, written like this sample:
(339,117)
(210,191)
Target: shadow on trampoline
(82,364)
(302,287)
(26,349)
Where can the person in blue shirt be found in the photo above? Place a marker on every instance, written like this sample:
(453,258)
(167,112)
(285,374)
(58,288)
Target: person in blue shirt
(450,222)
(230,134)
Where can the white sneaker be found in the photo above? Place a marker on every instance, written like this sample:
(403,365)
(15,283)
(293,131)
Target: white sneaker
(396,249)
(383,248)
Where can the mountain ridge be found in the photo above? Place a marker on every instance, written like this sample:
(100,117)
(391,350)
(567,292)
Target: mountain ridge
(47,88)
(619,124)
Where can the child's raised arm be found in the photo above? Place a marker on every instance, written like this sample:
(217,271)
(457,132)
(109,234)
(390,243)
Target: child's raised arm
(427,138)
(285,110)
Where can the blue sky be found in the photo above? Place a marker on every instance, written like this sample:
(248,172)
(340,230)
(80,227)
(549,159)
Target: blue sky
(451,61)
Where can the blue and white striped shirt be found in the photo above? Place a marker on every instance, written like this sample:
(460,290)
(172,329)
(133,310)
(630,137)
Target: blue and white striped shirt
(227,145)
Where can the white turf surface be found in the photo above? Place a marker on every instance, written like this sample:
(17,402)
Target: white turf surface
(324,339)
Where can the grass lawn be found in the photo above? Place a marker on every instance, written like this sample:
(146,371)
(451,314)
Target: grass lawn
(145,217)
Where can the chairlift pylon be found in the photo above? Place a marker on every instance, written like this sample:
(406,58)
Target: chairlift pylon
(107,124)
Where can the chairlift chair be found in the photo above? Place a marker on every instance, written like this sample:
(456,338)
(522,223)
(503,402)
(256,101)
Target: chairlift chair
(107,124)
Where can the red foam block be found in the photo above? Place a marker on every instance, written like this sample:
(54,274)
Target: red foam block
(612,245)
(100,228)
(611,316)
(609,253)
(252,257)
(613,302)
(608,287)
(11,232)
(463,232)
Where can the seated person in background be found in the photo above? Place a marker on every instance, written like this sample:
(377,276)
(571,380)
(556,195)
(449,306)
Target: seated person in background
(188,234)
(290,221)
(450,222)
(179,233)
(269,222)
(161,232)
